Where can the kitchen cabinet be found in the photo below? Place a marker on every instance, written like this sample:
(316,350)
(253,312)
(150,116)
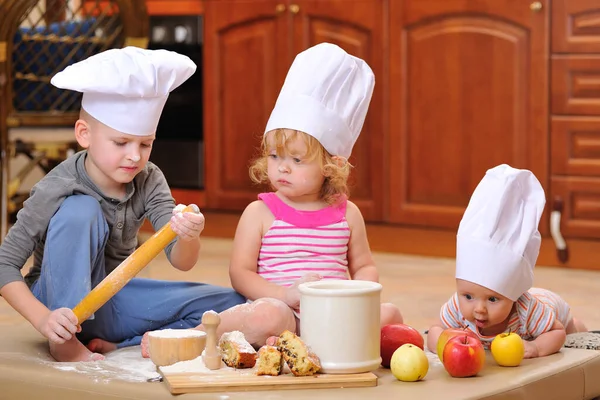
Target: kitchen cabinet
(461,86)
(468,91)
(575,118)
(249,46)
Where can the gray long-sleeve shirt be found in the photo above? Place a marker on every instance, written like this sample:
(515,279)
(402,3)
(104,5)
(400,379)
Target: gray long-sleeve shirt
(148,196)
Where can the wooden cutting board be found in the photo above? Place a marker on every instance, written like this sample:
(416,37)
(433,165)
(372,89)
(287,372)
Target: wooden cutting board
(227,380)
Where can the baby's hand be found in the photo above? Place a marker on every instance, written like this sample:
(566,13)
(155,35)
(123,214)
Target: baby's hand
(292,294)
(531,350)
(187,226)
(60,325)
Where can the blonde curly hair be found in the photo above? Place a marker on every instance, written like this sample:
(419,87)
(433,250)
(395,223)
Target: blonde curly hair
(335,169)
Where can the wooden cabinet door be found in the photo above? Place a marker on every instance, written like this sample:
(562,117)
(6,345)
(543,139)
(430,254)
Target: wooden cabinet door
(576,26)
(575,89)
(246,54)
(357,27)
(468,91)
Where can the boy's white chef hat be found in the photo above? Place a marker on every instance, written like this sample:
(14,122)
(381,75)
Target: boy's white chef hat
(126,89)
(326,94)
(498,240)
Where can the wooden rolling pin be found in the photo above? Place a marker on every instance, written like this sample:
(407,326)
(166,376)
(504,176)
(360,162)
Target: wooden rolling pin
(129,268)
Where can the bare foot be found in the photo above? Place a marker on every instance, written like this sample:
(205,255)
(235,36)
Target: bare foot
(73,350)
(145,346)
(101,346)
(272,341)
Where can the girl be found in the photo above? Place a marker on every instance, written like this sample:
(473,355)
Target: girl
(304,231)
(307,229)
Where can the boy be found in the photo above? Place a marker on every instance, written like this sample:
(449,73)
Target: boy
(82,219)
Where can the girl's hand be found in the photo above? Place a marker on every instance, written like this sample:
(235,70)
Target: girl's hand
(292,294)
(59,326)
(531,349)
(187,226)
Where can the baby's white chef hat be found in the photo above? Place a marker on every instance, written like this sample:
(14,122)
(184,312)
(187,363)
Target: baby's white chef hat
(498,240)
(126,89)
(326,94)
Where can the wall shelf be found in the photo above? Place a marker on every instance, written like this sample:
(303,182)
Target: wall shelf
(155,7)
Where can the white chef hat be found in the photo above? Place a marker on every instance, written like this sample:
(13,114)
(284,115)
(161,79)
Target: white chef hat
(498,240)
(126,89)
(326,94)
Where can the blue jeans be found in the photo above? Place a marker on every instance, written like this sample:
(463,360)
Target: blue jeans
(73,264)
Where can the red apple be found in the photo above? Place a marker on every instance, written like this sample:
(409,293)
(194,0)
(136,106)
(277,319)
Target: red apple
(448,334)
(464,356)
(395,335)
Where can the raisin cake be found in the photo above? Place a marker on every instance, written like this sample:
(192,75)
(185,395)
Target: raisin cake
(270,361)
(236,352)
(301,360)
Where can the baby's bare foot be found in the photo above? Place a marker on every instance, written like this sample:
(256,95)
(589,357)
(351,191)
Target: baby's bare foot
(73,350)
(101,346)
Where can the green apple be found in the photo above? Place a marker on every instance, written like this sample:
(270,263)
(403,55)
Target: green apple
(409,363)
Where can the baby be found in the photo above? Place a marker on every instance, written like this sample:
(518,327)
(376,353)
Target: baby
(497,246)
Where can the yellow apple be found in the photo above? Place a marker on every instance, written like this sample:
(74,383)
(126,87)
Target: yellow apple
(409,363)
(508,349)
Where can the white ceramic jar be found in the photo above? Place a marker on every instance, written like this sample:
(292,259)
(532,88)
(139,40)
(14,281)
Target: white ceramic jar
(339,320)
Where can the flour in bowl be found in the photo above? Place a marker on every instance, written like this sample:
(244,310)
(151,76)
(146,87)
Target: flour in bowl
(177,333)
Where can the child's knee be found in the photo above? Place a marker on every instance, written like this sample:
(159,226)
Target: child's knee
(79,212)
(274,316)
(390,314)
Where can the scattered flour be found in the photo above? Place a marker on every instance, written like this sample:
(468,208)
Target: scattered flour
(177,333)
(125,364)
(196,366)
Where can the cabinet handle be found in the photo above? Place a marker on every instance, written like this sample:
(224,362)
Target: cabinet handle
(562,251)
(536,6)
(279,8)
(294,8)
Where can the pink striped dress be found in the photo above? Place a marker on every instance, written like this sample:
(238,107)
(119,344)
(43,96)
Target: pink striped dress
(300,242)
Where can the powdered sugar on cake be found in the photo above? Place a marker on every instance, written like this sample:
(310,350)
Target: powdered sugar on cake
(238,338)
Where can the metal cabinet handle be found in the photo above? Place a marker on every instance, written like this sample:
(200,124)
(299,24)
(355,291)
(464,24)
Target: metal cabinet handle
(562,251)
(279,8)
(294,8)
(536,6)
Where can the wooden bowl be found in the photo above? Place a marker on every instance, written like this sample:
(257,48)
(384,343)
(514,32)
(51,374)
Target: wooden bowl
(169,346)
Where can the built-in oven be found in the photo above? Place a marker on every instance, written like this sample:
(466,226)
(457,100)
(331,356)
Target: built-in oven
(178,149)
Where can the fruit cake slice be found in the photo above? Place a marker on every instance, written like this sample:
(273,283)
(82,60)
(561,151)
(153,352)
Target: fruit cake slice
(270,361)
(236,352)
(301,360)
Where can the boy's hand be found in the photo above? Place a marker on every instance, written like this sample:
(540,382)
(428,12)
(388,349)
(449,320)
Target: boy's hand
(292,294)
(60,325)
(187,226)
